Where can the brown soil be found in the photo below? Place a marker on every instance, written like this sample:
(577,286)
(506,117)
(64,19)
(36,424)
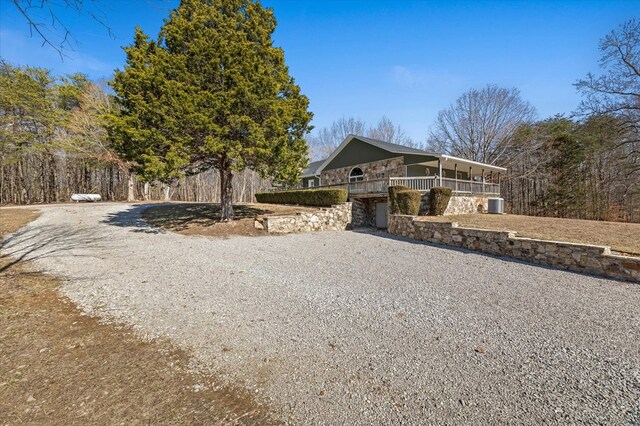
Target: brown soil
(58,366)
(204,218)
(621,237)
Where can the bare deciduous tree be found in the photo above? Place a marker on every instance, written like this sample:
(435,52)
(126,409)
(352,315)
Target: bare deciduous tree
(480,124)
(386,130)
(327,139)
(617,92)
(43,19)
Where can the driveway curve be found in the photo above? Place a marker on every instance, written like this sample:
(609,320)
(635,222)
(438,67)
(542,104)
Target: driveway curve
(357,327)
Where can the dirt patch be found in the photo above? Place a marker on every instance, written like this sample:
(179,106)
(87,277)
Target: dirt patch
(204,218)
(58,366)
(621,237)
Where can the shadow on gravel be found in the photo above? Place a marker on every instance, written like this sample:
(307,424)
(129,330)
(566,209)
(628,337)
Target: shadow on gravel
(384,234)
(132,218)
(43,242)
(201,219)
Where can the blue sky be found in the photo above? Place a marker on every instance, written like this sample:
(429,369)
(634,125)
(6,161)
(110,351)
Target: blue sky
(403,59)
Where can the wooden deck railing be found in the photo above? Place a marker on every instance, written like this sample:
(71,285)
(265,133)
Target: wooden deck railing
(458,186)
(423,183)
(369,186)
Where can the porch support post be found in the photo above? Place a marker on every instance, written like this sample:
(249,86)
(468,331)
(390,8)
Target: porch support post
(455,171)
(440,171)
(483,192)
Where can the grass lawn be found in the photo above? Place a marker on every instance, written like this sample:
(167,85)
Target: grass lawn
(204,218)
(60,367)
(621,237)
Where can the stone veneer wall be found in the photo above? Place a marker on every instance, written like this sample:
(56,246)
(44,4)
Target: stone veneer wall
(391,167)
(359,213)
(584,258)
(364,211)
(459,204)
(333,218)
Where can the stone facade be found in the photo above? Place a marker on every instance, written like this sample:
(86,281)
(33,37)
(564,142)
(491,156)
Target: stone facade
(459,204)
(391,167)
(364,211)
(334,218)
(596,260)
(359,213)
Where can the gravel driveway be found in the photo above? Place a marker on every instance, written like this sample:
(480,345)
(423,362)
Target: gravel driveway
(359,327)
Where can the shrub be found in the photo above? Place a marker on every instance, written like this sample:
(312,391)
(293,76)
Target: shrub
(439,197)
(306,197)
(393,203)
(408,202)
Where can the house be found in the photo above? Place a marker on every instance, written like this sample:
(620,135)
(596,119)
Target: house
(367,167)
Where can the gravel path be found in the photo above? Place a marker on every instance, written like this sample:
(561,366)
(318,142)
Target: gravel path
(357,327)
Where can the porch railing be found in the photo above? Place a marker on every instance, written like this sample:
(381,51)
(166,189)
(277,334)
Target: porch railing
(457,185)
(417,183)
(369,186)
(423,183)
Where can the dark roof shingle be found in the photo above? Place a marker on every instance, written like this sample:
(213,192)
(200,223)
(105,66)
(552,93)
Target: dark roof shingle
(312,168)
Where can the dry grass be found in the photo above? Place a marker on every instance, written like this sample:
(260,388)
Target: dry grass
(621,237)
(204,218)
(58,366)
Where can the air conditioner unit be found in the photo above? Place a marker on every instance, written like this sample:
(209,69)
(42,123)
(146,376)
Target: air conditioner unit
(496,206)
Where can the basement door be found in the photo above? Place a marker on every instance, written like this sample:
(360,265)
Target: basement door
(381,215)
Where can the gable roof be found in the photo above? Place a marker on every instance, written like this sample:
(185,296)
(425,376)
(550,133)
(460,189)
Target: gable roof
(387,146)
(317,166)
(312,168)
(391,147)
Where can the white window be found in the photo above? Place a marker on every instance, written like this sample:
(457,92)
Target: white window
(356,175)
(311,183)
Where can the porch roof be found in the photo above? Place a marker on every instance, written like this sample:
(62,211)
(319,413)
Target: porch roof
(449,163)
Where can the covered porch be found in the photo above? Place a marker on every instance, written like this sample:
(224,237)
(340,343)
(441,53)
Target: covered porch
(377,187)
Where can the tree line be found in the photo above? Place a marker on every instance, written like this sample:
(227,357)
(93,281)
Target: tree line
(53,143)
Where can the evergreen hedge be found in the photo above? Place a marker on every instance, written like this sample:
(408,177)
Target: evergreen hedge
(408,202)
(325,197)
(393,202)
(439,197)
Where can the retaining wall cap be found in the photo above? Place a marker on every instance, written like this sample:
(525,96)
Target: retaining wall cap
(622,257)
(564,243)
(604,250)
(495,231)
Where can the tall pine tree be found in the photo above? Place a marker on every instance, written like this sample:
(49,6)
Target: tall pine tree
(212,91)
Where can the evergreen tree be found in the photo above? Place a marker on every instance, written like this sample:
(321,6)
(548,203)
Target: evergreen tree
(212,91)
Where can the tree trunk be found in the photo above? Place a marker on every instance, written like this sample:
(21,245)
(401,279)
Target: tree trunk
(226,195)
(146,191)
(131,196)
(166,192)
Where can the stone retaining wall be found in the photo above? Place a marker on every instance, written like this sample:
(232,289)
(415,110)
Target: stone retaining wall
(459,204)
(596,260)
(333,218)
(364,211)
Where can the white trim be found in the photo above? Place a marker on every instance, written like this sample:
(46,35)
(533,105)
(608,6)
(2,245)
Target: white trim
(472,163)
(358,178)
